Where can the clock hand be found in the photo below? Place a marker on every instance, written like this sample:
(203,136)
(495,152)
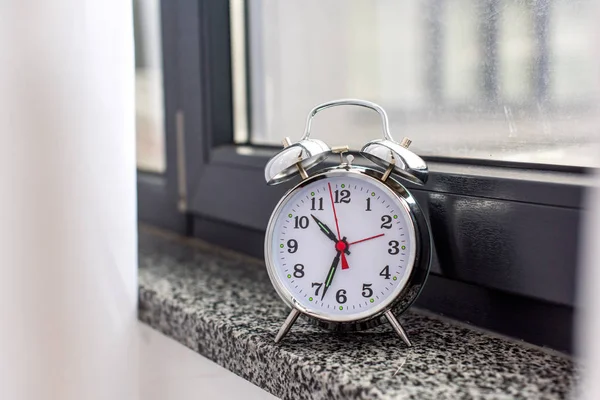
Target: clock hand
(325,229)
(344,261)
(337,226)
(331,273)
(369,238)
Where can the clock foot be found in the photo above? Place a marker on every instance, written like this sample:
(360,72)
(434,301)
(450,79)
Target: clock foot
(397,327)
(289,321)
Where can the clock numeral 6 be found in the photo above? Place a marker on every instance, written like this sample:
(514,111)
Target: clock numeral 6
(342,197)
(366,290)
(393,247)
(298,271)
(300,222)
(387,222)
(340,296)
(293,245)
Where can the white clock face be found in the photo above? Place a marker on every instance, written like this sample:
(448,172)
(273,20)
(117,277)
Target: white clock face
(342,247)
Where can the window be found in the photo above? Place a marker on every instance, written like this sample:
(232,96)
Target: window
(498,79)
(160,181)
(149,100)
(499,96)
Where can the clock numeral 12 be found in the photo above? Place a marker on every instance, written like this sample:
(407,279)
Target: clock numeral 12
(342,197)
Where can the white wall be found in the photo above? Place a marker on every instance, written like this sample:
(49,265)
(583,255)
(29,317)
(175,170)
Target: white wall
(68,252)
(588,313)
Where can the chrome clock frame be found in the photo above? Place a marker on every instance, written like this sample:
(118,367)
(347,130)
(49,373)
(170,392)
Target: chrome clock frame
(406,295)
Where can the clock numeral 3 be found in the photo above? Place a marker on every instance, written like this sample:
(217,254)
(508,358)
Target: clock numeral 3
(340,296)
(293,245)
(385,272)
(342,197)
(394,247)
(387,222)
(366,290)
(298,271)
(314,203)
(318,285)
(300,222)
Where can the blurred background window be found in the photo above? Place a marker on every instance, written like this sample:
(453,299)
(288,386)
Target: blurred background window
(149,104)
(509,80)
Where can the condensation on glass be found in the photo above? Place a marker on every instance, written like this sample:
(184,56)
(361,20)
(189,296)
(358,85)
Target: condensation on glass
(493,79)
(149,104)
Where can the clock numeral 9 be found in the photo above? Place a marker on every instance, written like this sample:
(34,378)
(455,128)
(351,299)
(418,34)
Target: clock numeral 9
(342,197)
(298,271)
(314,203)
(293,245)
(393,247)
(366,290)
(385,272)
(387,222)
(300,222)
(340,296)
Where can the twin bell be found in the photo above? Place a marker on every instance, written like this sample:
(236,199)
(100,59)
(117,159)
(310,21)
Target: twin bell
(296,158)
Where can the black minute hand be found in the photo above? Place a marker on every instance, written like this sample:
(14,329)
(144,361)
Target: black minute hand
(331,273)
(325,229)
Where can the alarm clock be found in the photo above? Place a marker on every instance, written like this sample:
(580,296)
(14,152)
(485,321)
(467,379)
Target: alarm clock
(348,247)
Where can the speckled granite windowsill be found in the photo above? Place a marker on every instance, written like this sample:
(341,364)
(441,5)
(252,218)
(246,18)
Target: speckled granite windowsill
(223,306)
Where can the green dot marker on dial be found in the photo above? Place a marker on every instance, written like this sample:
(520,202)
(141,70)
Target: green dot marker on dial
(343,186)
(372,300)
(312,193)
(341,307)
(310,299)
(395,217)
(290,215)
(403,247)
(281,245)
(372,193)
(289,276)
(395,278)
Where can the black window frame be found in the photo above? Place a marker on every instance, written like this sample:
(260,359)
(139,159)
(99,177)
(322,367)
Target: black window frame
(495,225)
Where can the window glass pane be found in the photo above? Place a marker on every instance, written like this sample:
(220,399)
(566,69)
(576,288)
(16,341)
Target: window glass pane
(149,86)
(494,79)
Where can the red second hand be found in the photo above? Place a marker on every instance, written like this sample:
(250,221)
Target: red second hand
(337,226)
(344,262)
(369,238)
(340,246)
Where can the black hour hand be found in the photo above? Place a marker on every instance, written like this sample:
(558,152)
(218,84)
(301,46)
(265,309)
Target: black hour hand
(325,229)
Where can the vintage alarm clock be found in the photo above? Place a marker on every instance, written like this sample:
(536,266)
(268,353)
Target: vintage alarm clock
(348,247)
